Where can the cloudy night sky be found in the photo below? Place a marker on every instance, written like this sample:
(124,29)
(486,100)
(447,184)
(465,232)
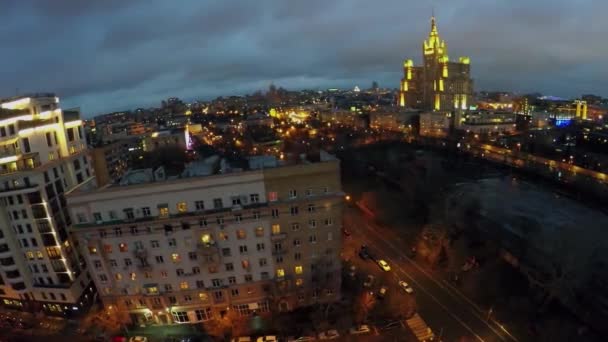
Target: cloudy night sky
(119,54)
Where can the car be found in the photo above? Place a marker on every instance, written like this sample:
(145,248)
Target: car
(269,338)
(331,334)
(406,287)
(384,265)
(301,339)
(352,271)
(369,281)
(382,292)
(241,339)
(138,339)
(362,329)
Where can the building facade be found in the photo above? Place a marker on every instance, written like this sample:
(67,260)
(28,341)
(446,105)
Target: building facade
(199,248)
(111,161)
(439,84)
(43,158)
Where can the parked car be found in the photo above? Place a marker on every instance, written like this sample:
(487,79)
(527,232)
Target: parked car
(331,334)
(138,339)
(362,329)
(301,339)
(369,281)
(384,265)
(241,339)
(382,292)
(269,338)
(406,287)
(352,271)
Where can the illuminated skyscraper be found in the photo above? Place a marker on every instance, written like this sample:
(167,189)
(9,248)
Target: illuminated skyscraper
(439,84)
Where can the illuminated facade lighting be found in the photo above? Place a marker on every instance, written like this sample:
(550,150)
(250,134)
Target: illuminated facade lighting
(437,75)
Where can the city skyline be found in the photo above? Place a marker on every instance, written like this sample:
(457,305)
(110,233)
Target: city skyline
(138,53)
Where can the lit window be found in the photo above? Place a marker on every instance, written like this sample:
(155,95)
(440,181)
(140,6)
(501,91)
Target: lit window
(183,285)
(273,196)
(30,255)
(182,207)
(240,234)
(276,229)
(123,247)
(152,290)
(259,231)
(39,255)
(175,257)
(163,212)
(203,296)
(298,269)
(206,238)
(133,276)
(245,264)
(118,276)
(280,273)
(299,282)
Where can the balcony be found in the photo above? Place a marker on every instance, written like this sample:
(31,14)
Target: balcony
(277,252)
(144,267)
(278,236)
(27,162)
(140,253)
(208,248)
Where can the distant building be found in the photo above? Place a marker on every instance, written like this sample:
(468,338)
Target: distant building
(179,137)
(435,124)
(439,84)
(486,122)
(110,162)
(393,120)
(349,118)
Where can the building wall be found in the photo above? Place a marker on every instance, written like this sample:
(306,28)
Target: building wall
(40,266)
(317,232)
(229,254)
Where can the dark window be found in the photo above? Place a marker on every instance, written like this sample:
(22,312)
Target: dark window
(76,164)
(49,142)
(26,145)
(70,134)
(11,129)
(3,131)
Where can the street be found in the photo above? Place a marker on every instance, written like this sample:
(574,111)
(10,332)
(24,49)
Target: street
(449,313)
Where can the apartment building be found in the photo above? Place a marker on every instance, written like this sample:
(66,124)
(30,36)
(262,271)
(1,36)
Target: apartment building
(196,248)
(111,161)
(42,157)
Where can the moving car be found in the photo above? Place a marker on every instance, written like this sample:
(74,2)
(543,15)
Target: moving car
(331,334)
(406,287)
(362,329)
(384,265)
(369,281)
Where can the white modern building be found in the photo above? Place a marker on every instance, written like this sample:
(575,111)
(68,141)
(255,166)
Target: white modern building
(42,157)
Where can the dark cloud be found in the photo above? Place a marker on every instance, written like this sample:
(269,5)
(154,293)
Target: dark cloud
(113,54)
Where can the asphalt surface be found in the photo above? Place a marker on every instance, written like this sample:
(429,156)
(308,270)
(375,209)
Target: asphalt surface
(450,314)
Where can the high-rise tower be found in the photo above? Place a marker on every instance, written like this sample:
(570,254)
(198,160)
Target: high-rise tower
(439,84)
(43,156)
